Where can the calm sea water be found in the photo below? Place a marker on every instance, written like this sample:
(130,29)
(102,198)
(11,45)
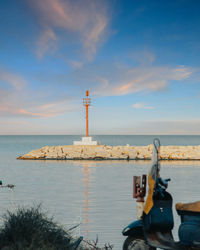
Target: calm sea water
(96,194)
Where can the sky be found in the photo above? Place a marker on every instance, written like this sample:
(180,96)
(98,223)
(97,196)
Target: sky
(139,59)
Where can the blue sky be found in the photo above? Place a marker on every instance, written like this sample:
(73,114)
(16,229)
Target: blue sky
(139,59)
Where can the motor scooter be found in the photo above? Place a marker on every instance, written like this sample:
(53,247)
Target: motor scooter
(153,227)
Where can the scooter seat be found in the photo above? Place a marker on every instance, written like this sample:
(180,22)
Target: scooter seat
(188,207)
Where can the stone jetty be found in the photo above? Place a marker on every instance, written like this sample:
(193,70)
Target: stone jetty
(103,152)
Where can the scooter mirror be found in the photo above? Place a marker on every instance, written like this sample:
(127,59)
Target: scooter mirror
(139,186)
(136,185)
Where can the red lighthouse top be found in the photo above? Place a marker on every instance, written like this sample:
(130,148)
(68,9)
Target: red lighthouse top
(87,100)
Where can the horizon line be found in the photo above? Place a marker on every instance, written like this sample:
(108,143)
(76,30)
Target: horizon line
(100,135)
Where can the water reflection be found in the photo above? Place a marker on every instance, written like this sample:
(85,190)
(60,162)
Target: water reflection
(94,163)
(86,191)
(83,163)
(86,165)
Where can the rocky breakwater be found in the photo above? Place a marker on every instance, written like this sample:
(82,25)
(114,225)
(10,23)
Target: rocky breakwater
(103,152)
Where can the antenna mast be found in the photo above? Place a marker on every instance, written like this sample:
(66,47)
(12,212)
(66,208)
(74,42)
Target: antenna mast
(86,103)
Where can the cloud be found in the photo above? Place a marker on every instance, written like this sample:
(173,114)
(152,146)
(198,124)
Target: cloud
(138,79)
(46,42)
(17,99)
(42,111)
(46,110)
(141,105)
(13,108)
(16,109)
(86,20)
(119,79)
(27,113)
(14,80)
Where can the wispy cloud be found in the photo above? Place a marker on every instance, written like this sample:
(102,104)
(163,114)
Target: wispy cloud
(45,111)
(139,79)
(87,20)
(13,108)
(15,80)
(32,114)
(46,42)
(141,105)
(119,79)
(17,100)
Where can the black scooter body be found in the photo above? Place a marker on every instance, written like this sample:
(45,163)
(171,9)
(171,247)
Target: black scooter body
(134,229)
(161,236)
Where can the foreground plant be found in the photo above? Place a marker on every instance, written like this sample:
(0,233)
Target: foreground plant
(31,229)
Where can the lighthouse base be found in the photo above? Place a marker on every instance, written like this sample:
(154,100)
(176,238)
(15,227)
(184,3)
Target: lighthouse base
(86,141)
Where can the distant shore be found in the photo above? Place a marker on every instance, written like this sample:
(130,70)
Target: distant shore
(104,152)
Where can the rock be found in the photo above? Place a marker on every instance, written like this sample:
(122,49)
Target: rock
(52,155)
(132,154)
(113,152)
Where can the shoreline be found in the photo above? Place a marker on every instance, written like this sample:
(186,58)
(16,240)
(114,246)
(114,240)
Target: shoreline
(104,152)
(97,160)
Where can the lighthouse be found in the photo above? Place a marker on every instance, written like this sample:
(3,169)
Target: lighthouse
(87,140)
(86,103)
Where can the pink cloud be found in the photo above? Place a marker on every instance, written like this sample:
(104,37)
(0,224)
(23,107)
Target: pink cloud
(20,101)
(142,79)
(12,108)
(27,113)
(44,111)
(86,19)
(125,87)
(14,80)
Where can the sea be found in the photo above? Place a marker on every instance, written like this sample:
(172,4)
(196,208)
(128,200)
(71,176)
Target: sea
(95,196)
